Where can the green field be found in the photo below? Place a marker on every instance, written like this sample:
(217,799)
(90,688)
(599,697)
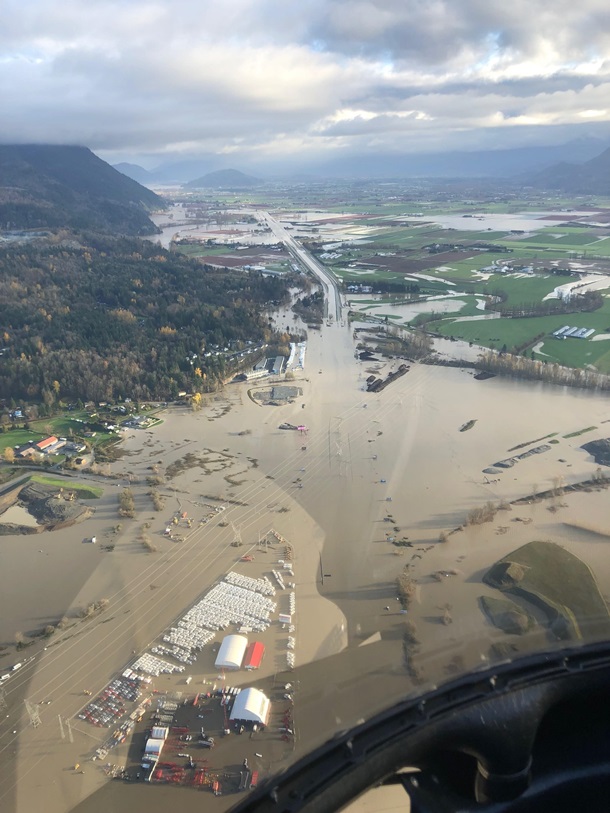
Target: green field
(531,288)
(563,579)
(515,332)
(17,437)
(60,425)
(85,492)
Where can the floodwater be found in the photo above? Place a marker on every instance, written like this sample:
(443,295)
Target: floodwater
(524,221)
(406,312)
(18,515)
(398,454)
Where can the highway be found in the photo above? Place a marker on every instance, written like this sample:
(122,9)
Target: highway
(296,249)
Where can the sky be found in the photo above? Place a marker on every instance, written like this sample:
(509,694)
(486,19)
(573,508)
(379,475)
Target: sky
(301,80)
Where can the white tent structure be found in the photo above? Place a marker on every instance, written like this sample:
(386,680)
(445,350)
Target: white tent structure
(252,706)
(231,652)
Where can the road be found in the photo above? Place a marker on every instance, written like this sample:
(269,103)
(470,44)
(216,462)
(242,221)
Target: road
(296,249)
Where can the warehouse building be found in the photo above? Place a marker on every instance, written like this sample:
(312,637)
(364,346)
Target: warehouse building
(251,706)
(231,652)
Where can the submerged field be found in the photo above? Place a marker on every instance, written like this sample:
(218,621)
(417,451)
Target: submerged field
(418,272)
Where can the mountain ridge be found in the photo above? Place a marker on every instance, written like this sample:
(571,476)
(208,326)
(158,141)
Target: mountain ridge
(56,186)
(224,179)
(590,178)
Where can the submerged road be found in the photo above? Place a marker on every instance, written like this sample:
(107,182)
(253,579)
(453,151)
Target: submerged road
(300,253)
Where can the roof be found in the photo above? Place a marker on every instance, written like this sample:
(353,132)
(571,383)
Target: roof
(153,747)
(42,444)
(231,652)
(252,706)
(254,655)
(159,732)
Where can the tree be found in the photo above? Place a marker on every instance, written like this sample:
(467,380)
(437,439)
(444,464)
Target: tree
(9,455)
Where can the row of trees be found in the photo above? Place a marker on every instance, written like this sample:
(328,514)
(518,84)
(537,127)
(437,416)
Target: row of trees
(521,367)
(586,302)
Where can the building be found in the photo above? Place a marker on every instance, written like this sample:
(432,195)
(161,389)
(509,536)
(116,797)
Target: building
(231,652)
(47,443)
(50,445)
(252,375)
(277,365)
(251,706)
(254,655)
(153,748)
(28,450)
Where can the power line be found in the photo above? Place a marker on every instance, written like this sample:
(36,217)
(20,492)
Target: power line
(33,710)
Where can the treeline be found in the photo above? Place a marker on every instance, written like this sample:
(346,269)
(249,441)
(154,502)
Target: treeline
(521,367)
(108,318)
(385,286)
(577,303)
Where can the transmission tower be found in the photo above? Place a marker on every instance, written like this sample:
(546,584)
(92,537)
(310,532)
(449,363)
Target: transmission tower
(33,710)
(237,543)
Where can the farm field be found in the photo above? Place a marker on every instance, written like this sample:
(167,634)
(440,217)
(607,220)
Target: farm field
(463,282)
(496,333)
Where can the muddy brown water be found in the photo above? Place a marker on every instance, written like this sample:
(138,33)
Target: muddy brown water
(396,456)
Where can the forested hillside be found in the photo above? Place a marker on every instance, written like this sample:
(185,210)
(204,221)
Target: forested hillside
(121,318)
(55,186)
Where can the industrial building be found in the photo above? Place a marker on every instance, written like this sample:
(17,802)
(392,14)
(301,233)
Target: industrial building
(254,655)
(251,706)
(154,746)
(567,332)
(231,652)
(252,375)
(277,365)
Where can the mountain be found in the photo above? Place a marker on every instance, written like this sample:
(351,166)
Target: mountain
(224,179)
(461,164)
(174,172)
(53,186)
(135,172)
(590,178)
(493,163)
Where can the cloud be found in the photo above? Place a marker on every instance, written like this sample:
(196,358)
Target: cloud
(265,77)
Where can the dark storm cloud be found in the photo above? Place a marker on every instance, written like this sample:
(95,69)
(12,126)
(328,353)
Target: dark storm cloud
(271,77)
(434,30)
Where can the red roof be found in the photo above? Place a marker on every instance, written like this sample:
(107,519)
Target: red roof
(42,444)
(254,655)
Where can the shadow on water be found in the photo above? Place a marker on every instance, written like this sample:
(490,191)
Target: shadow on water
(372,592)
(450,520)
